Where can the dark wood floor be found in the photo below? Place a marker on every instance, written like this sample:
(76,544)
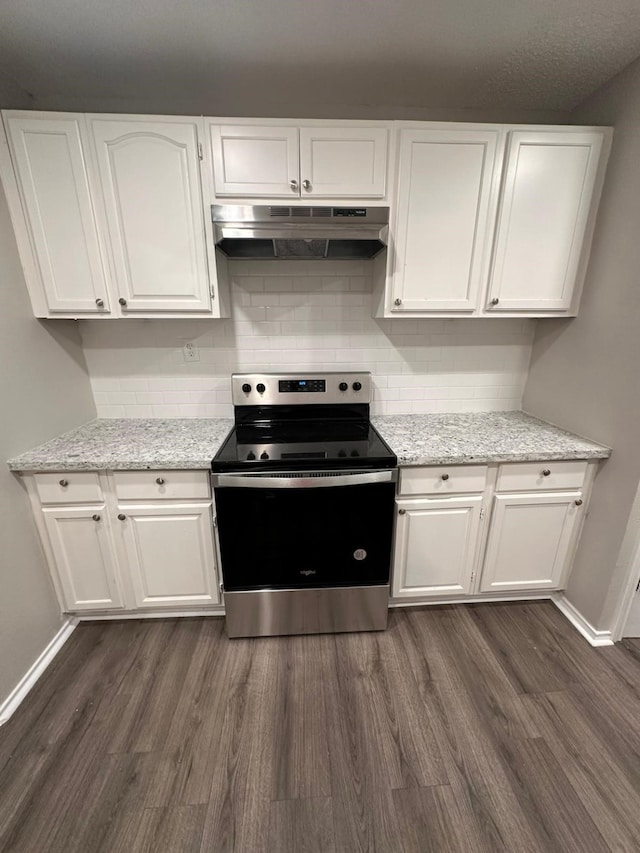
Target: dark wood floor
(483,728)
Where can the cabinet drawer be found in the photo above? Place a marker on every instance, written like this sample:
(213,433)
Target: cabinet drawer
(527,476)
(76,487)
(150,485)
(443,479)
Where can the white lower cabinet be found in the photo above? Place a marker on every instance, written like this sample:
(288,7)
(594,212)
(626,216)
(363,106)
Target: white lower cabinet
(128,541)
(84,557)
(530,541)
(514,531)
(436,546)
(169,553)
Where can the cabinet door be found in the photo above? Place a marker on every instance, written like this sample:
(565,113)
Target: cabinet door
(84,557)
(436,545)
(530,539)
(343,162)
(544,208)
(51,174)
(446,192)
(254,160)
(149,176)
(169,550)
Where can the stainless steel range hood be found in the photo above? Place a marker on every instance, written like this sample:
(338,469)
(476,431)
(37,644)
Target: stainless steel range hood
(284,232)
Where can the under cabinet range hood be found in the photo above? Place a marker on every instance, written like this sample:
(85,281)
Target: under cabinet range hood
(287,232)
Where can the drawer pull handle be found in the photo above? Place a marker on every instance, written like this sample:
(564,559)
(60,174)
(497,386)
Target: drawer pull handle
(402,512)
(64,483)
(160,481)
(445,476)
(578,502)
(546,472)
(121,516)
(95,517)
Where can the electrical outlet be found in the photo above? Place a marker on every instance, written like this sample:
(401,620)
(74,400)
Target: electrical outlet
(190,351)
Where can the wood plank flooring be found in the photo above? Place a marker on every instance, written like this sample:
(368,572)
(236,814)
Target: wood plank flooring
(461,728)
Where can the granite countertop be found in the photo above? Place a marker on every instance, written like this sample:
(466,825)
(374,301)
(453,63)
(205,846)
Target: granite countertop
(131,443)
(481,437)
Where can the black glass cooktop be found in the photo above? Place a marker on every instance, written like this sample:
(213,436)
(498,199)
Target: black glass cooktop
(300,446)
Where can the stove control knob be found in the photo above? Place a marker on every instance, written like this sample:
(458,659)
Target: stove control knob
(342,453)
(343,386)
(355,453)
(357,386)
(264,455)
(246,387)
(251,455)
(260,388)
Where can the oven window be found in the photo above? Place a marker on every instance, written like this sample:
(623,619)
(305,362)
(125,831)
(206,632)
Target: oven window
(316,537)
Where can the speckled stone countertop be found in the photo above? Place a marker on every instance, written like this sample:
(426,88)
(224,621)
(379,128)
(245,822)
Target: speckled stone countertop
(481,437)
(129,444)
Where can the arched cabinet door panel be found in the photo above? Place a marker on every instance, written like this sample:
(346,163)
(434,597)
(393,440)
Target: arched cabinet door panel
(150,186)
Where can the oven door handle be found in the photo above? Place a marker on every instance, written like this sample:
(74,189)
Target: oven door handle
(304,481)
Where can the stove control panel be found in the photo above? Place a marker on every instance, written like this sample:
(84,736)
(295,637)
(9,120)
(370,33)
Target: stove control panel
(280,389)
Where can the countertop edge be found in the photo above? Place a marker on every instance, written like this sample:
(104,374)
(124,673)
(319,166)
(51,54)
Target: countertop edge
(403,462)
(486,459)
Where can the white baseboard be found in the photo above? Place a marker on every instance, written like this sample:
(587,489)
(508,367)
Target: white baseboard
(34,672)
(468,599)
(591,634)
(112,616)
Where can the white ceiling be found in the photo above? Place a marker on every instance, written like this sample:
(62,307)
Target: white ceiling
(232,56)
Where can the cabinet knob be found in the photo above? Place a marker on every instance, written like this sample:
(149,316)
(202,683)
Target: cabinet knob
(293,184)
(546,472)
(494,301)
(306,184)
(445,476)
(578,502)
(100,303)
(122,301)
(402,511)
(397,301)
(95,517)
(121,516)
(160,481)
(64,483)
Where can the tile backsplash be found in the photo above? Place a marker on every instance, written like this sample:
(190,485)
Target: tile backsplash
(305,315)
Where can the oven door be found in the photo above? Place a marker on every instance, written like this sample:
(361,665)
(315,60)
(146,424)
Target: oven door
(303,530)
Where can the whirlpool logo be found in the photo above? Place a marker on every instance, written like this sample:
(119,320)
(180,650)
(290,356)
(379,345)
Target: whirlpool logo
(307,572)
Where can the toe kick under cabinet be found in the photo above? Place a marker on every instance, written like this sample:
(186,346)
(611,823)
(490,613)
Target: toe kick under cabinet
(128,540)
(491,530)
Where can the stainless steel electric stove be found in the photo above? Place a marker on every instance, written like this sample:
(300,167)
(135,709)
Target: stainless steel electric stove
(304,489)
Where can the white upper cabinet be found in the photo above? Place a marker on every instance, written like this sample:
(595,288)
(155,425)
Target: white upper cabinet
(49,195)
(149,181)
(547,194)
(343,162)
(255,160)
(286,161)
(445,199)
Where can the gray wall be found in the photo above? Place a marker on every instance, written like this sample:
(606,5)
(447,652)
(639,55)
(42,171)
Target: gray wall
(44,390)
(585,373)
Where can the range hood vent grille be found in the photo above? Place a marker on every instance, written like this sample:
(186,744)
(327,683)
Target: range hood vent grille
(301,212)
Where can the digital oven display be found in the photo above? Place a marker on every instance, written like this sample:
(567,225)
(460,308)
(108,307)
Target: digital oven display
(288,386)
